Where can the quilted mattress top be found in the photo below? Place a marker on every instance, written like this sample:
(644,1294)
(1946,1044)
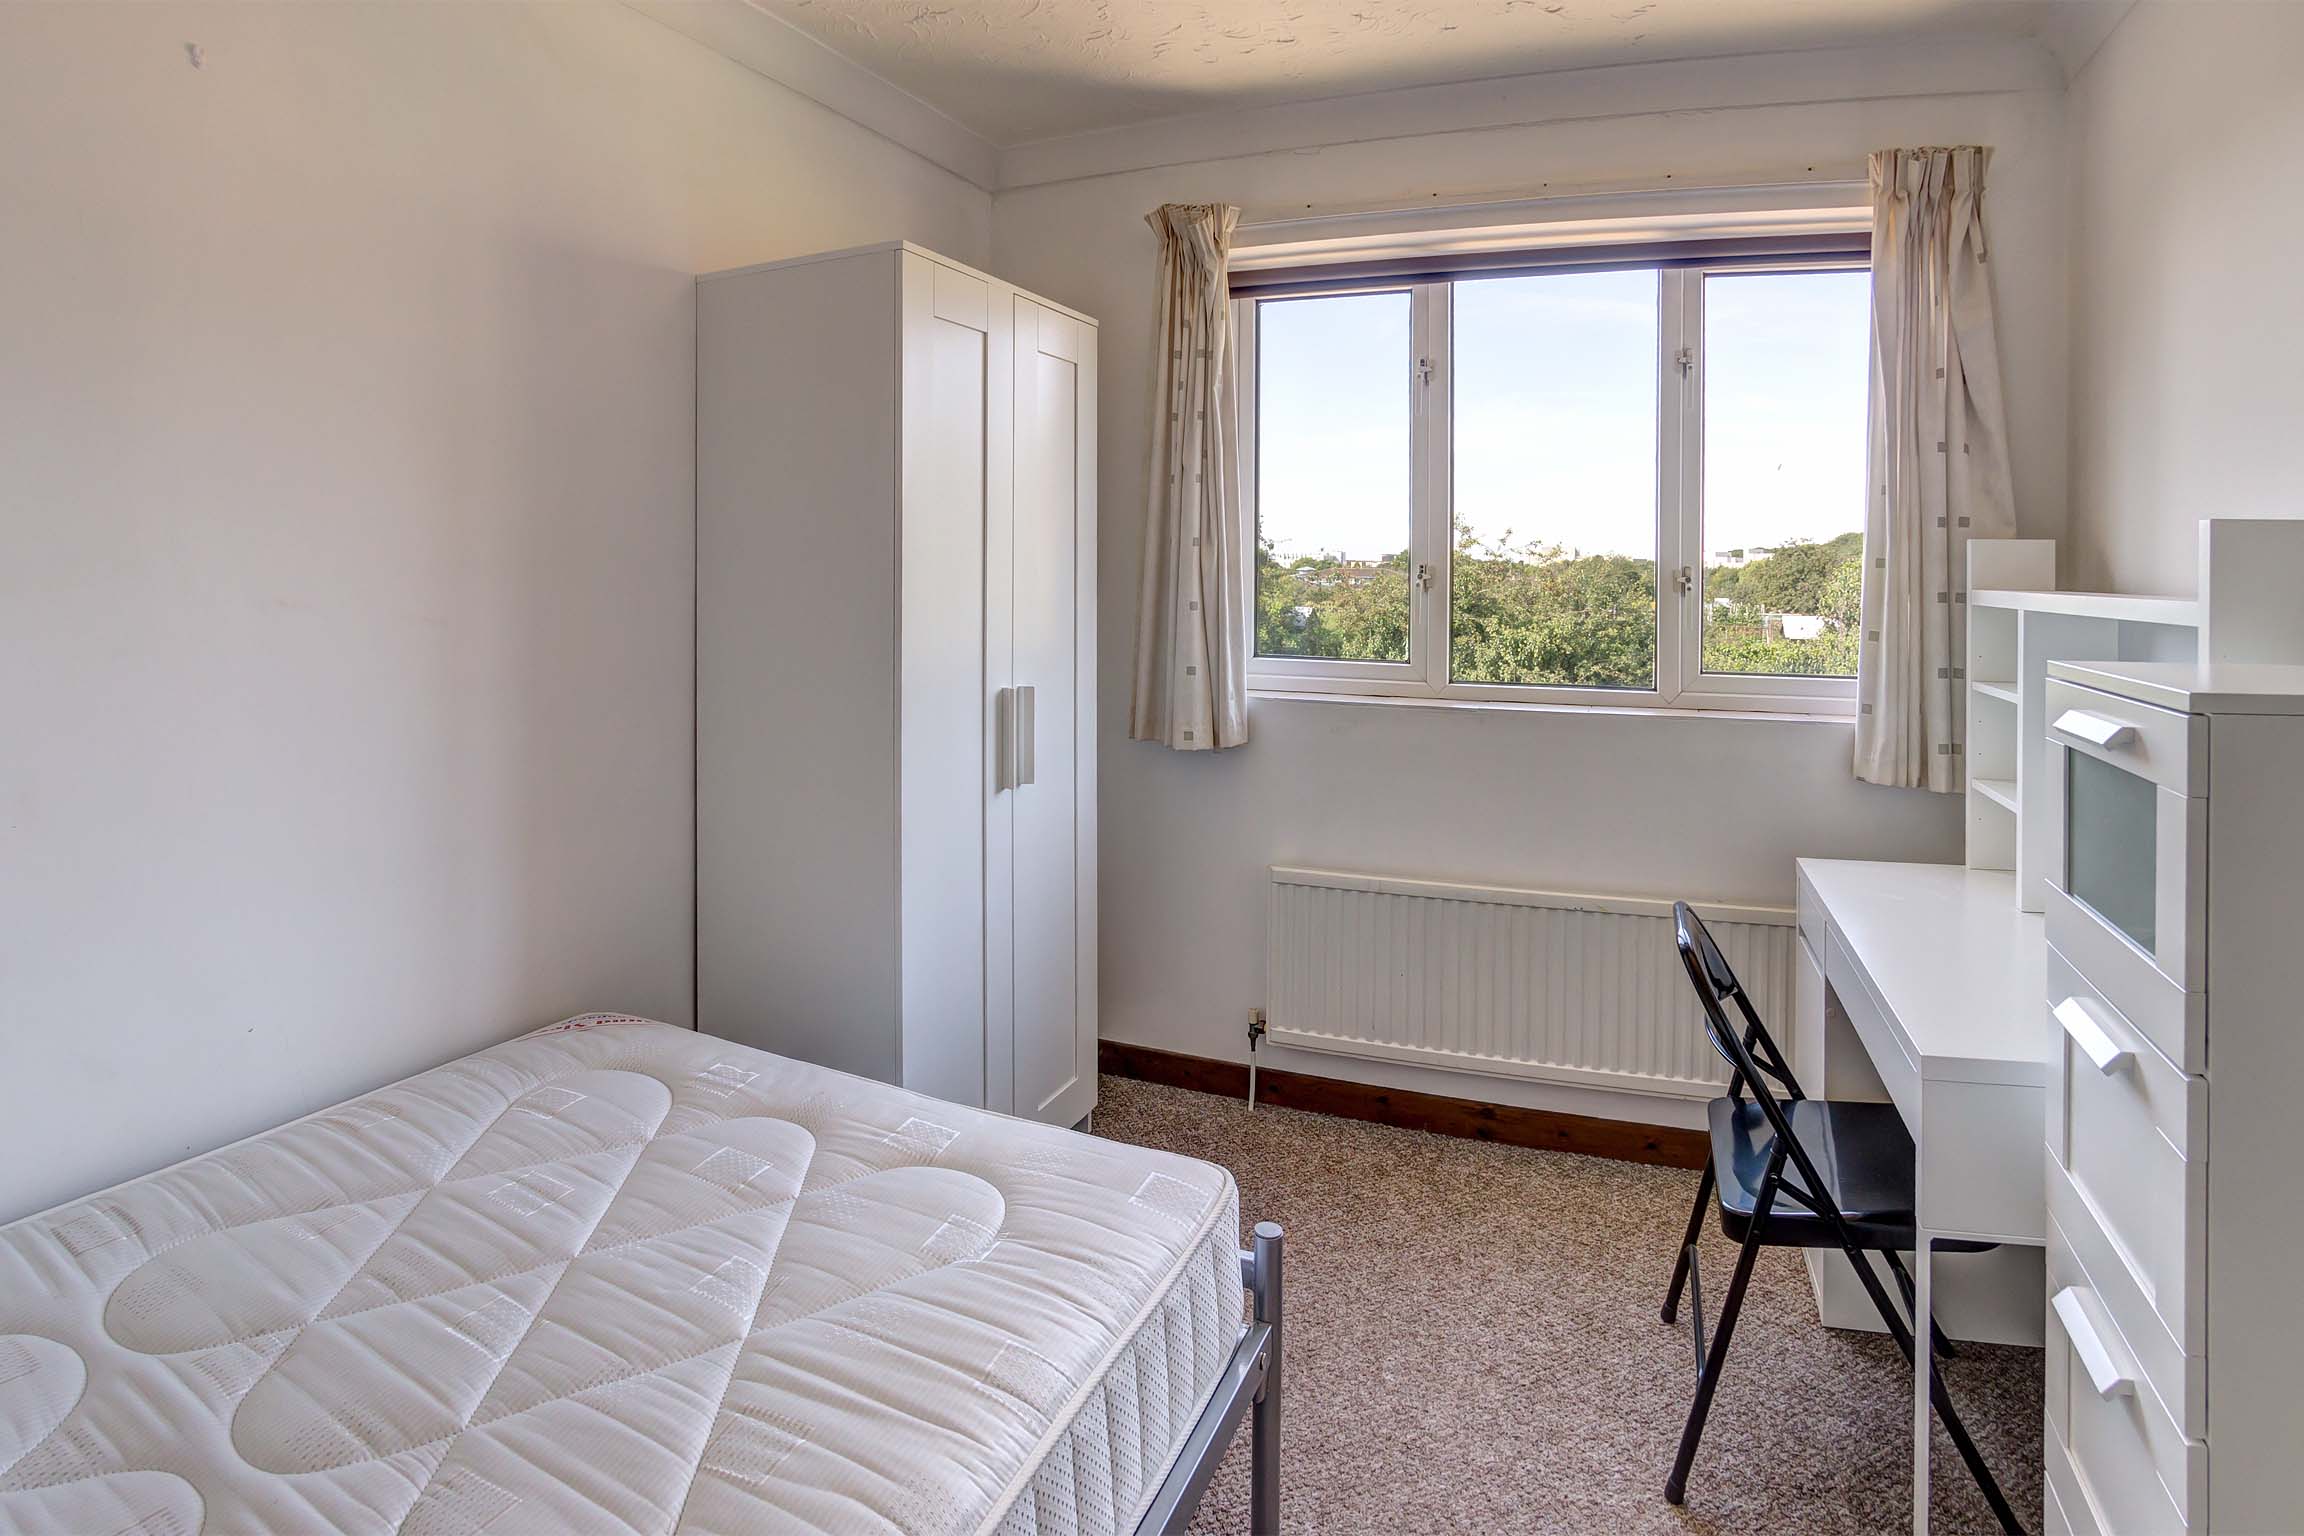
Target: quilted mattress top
(611,1276)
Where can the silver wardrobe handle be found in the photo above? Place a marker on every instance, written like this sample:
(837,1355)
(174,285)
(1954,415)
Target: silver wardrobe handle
(1004,739)
(1021,754)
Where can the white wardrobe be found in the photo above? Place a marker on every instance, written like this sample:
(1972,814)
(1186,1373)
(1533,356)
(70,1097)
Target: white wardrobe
(896,580)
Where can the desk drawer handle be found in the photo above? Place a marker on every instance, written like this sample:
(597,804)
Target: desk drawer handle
(2104,1373)
(2079,1021)
(2091,726)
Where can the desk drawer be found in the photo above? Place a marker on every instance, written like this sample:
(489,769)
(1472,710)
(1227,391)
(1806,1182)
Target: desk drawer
(1899,1073)
(1810,915)
(1809,1009)
(2134,1472)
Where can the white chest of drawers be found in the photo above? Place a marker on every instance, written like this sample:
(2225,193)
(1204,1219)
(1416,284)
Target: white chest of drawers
(2175,1005)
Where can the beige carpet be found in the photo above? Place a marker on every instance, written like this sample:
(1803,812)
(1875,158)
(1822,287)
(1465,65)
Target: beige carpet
(1473,1345)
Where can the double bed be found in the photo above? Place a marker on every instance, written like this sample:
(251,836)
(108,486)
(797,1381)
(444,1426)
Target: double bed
(619,1276)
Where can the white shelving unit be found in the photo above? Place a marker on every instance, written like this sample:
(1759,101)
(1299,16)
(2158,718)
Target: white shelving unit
(2247,611)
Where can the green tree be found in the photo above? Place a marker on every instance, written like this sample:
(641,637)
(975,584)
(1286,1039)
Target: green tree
(1792,577)
(1534,613)
(1844,592)
(1325,606)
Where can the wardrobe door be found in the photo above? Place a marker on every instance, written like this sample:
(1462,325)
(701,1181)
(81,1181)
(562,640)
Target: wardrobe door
(951,332)
(1055,1044)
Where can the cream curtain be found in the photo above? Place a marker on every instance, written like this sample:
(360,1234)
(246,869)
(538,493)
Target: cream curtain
(1939,461)
(1191,680)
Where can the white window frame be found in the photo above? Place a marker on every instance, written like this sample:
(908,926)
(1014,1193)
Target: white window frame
(1681,682)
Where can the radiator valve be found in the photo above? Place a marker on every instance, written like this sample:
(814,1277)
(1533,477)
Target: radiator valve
(1255,1038)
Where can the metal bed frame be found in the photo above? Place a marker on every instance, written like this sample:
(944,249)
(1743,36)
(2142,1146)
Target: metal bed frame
(1249,1385)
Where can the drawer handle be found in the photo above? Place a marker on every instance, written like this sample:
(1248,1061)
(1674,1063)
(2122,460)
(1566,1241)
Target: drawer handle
(2079,1021)
(2091,726)
(2104,1374)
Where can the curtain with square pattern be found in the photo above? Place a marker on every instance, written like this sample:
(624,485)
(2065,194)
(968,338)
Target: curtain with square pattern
(1939,456)
(1191,674)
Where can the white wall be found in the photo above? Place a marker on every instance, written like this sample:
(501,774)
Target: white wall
(345,536)
(2187,129)
(1572,800)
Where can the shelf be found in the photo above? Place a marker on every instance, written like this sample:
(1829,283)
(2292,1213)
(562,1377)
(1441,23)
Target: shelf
(2128,607)
(2001,792)
(2005,692)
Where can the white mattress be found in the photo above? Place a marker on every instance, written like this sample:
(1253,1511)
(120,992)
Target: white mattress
(619,1276)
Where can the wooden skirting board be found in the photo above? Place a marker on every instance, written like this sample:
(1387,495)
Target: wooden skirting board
(1626,1140)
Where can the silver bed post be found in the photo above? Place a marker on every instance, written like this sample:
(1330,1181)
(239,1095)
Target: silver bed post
(1248,1388)
(1264,1418)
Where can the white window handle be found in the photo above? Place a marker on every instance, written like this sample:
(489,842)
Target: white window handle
(2095,1042)
(2104,1373)
(2091,726)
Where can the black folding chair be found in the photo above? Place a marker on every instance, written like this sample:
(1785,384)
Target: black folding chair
(1774,1192)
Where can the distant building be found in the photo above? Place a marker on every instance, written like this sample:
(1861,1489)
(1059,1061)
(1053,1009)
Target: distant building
(1803,626)
(1341,573)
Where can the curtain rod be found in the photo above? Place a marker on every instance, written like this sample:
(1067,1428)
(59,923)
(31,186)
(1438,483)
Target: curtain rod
(1272,218)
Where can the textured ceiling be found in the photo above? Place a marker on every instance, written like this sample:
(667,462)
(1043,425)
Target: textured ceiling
(1019,70)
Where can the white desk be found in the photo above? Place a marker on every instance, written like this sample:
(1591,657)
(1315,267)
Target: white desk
(1943,982)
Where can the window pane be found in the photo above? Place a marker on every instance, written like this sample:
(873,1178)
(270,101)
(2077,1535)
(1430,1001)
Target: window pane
(1554,575)
(1786,367)
(1333,509)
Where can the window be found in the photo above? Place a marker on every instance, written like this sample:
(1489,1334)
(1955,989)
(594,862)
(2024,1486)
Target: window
(1639,484)
(1333,520)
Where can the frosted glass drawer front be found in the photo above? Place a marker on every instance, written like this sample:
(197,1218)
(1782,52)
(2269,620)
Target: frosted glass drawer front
(2132,1132)
(2134,857)
(2134,1470)
(2123,792)
(2111,852)
(2159,1007)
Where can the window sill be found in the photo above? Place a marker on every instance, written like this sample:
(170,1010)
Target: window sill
(1533,707)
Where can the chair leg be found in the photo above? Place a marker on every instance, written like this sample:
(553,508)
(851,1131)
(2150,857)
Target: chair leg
(1940,1399)
(1708,1379)
(1943,1345)
(1688,1241)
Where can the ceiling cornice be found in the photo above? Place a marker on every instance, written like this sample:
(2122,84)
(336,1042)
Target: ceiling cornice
(1870,73)
(790,57)
(2076,35)
(775,49)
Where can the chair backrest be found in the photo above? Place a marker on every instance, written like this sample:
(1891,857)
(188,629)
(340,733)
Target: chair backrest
(1752,1056)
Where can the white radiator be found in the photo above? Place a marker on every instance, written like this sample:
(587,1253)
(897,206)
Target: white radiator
(1571,989)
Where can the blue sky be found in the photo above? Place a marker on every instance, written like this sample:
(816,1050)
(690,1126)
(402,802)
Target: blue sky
(1556,417)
